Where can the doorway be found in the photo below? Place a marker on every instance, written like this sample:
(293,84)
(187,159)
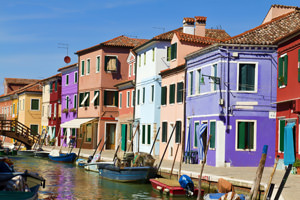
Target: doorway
(110,136)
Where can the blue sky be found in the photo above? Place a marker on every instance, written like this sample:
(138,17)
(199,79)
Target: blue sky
(31,30)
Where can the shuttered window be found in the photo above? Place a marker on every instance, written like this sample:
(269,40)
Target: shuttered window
(164,95)
(143,134)
(75,77)
(81,97)
(82,67)
(75,101)
(246,77)
(87,102)
(144,94)
(96,101)
(245,135)
(172,94)
(51,87)
(212,132)
(164,132)
(88,67)
(35,104)
(281,135)
(191,82)
(110,98)
(110,63)
(67,79)
(168,53)
(180,92)
(195,134)
(152,93)
(138,97)
(283,71)
(98,64)
(124,135)
(149,134)
(174,51)
(178,132)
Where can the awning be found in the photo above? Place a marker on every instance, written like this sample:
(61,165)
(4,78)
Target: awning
(75,123)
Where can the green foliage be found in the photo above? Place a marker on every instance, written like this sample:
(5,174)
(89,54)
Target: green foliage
(297,163)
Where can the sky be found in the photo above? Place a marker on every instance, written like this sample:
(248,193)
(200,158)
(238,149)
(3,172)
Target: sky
(34,34)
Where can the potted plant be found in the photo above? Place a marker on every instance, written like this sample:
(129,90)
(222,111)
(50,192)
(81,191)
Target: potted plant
(73,110)
(297,165)
(65,110)
(281,80)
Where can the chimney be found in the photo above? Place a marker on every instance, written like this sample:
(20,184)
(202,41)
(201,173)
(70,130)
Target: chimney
(200,26)
(188,25)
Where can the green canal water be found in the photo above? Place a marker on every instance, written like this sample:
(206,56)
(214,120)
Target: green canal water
(66,181)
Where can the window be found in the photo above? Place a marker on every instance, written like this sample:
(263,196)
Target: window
(179,92)
(134,67)
(191,83)
(168,53)
(34,129)
(88,137)
(110,98)
(178,132)
(51,87)
(35,104)
(67,102)
(144,94)
(215,74)
(98,64)
(50,110)
(54,112)
(282,70)
(281,135)
(81,97)
(95,100)
(67,79)
(145,58)
(75,77)
(110,63)
(133,99)
(199,80)
(246,77)
(149,134)
(138,97)
(143,134)
(245,135)
(128,99)
(153,54)
(84,99)
(212,132)
(152,93)
(130,69)
(75,101)
(164,132)
(140,60)
(174,51)
(195,134)
(120,100)
(88,67)
(13,108)
(164,95)
(172,94)
(82,68)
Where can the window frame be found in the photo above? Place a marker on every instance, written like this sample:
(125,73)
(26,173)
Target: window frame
(254,134)
(195,143)
(191,82)
(106,61)
(38,109)
(172,93)
(255,77)
(67,80)
(152,93)
(215,122)
(164,132)
(98,63)
(120,99)
(179,101)
(75,77)
(75,100)
(127,99)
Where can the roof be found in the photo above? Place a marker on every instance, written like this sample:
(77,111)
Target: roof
(69,66)
(216,34)
(167,35)
(56,75)
(184,37)
(34,87)
(19,80)
(168,71)
(121,41)
(268,33)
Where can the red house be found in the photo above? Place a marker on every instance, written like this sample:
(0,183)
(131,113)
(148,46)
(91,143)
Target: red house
(288,95)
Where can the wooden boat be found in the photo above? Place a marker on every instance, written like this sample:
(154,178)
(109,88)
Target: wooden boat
(127,174)
(26,152)
(170,187)
(68,157)
(44,154)
(94,166)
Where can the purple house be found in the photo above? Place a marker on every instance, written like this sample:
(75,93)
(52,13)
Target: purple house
(68,102)
(231,87)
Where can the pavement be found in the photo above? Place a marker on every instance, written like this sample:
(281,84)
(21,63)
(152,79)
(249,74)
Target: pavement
(238,176)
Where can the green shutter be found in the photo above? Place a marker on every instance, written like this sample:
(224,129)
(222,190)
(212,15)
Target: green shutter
(143,134)
(144,95)
(96,102)
(106,61)
(215,75)
(212,143)
(241,135)
(152,93)
(195,134)
(163,95)
(172,94)
(87,102)
(280,71)
(164,131)
(34,104)
(168,53)
(55,86)
(285,69)
(179,92)
(281,135)
(124,136)
(75,77)
(149,134)
(116,98)
(67,79)
(250,135)
(67,102)
(174,51)
(192,82)
(51,87)
(130,133)
(138,97)
(75,101)
(82,67)
(178,132)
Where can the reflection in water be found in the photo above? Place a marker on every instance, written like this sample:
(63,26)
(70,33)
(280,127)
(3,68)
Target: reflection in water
(66,181)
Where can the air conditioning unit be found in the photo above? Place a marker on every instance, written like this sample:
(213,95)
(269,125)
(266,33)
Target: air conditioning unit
(297,106)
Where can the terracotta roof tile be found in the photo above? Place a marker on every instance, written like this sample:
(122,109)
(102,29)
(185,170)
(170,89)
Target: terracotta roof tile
(66,67)
(167,35)
(19,80)
(195,39)
(56,75)
(216,34)
(200,19)
(189,20)
(268,33)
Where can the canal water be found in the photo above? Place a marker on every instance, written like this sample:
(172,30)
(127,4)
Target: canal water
(66,181)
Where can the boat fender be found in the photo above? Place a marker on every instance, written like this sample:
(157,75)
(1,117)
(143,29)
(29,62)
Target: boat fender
(159,188)
(187,184)
(166,190)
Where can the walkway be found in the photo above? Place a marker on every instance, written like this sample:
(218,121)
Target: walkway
(242,176)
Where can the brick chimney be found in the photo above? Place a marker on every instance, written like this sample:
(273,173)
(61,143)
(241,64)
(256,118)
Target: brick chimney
(200,26)
(188,25)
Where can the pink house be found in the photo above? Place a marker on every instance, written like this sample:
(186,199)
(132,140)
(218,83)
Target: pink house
(193,37)
(101,67)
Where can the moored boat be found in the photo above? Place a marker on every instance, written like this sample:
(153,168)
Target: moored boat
(43,154)
(68,157)
(26,152)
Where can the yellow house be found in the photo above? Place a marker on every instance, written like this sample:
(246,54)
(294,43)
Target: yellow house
(30,106)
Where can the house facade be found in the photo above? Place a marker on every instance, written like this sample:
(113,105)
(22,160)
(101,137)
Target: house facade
(100,68)
(69,101)
(194,37)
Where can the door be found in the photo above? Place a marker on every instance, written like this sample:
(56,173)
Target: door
(124,136)
(95,135)
(110,136)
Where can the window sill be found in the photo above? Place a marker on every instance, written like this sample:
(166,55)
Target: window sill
(282,86)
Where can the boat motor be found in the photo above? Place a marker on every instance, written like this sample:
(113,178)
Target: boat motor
(187,184)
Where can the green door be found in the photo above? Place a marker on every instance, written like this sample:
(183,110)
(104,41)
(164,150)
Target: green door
(124,137)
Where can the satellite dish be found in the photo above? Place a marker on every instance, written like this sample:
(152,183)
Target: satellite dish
(67,59)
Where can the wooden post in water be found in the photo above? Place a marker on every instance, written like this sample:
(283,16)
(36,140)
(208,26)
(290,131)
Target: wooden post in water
(271,177)
(174,160)
(129,146)
(181,155)
(259,172)
(202,167)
